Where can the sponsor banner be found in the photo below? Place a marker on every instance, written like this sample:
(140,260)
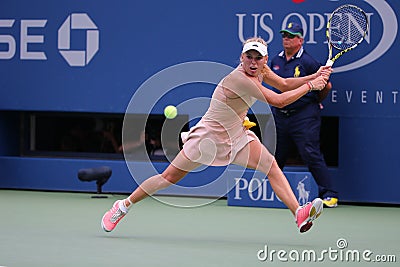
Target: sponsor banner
(79,56)
(252,189)
(93,56)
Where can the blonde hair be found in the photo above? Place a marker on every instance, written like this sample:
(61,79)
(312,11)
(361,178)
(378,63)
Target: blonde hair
(256,39)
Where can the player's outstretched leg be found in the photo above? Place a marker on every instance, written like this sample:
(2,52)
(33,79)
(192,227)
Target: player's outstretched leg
(178,169)
(306,214)
(256,156)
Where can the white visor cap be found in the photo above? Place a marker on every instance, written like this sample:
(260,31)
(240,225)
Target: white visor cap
(259,47)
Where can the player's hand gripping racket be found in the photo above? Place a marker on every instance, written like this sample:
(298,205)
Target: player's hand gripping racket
(346,28)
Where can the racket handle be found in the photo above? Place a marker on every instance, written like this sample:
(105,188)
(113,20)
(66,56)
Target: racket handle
(329,63)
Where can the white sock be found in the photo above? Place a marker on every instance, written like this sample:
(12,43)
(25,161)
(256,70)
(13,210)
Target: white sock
(122,206)
(130,203)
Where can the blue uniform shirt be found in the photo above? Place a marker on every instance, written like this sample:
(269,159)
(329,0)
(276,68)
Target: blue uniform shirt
(301,64)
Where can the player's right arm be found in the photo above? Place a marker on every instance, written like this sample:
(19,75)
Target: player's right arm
(287,84)
(288,97)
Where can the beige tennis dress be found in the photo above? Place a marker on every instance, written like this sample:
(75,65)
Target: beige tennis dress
(218,137)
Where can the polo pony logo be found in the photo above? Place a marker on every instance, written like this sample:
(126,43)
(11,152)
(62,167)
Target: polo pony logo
(303,193)
(296,72)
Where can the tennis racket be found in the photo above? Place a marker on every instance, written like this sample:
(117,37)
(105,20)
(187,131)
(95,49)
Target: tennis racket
(347,27)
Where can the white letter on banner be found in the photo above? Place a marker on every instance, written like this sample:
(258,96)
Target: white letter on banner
(334,96)
(312,26)
(395,96)
(266,28)
(26,39)
(238,188)
(253,188)
(240,27)
(7,39)
(363,97)
(349,94)
(379,97)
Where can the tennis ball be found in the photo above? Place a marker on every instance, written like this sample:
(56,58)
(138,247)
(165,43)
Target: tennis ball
(170,112)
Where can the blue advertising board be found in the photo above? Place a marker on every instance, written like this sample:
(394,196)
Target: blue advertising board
(93,56)
(252,189)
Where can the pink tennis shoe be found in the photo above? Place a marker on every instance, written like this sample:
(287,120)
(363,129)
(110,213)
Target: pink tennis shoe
(306,214)
(112,217)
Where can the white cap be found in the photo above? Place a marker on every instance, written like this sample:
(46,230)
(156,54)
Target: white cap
(259,47)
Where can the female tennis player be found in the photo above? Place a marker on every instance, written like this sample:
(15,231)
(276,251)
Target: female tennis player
(220,138)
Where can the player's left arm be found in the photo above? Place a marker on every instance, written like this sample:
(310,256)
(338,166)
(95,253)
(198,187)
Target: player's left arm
(324,92)
(287,84)
(315,66)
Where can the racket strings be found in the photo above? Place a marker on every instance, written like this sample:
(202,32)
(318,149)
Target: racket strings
(348,27)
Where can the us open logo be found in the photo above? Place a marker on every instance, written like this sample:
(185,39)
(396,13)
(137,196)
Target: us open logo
(78,21)
(382,9)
